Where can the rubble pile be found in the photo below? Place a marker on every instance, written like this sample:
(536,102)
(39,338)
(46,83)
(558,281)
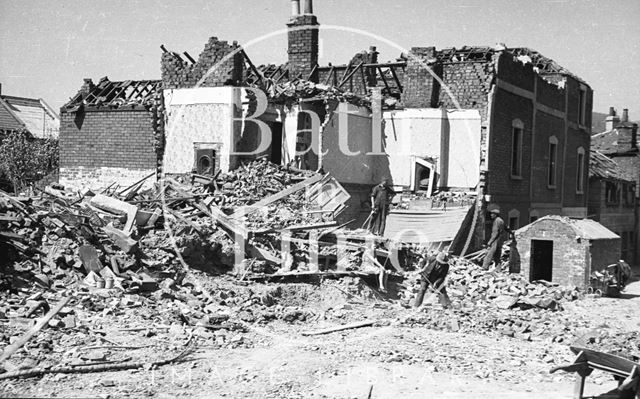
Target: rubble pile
(493,301)
(623,344)
(138,229)
(469,286)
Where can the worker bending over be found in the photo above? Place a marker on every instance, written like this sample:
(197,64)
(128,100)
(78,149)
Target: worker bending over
(434,270)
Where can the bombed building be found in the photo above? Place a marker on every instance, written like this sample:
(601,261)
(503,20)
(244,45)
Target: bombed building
(508,125)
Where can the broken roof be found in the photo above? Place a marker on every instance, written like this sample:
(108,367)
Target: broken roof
(542,64)
(108,94)
(608,143)
(584,228)
(602,166)
(31,114)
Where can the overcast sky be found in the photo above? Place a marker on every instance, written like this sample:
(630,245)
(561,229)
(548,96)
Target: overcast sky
(48,47)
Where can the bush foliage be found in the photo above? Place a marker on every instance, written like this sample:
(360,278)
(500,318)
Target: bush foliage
(24,159)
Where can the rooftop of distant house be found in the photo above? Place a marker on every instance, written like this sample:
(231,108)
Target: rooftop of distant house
(620,136)
(31,114)
(603,167)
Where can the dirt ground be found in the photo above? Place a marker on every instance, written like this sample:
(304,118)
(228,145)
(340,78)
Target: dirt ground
(391,359)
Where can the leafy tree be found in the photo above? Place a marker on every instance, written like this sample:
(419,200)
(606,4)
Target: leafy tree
(24,159)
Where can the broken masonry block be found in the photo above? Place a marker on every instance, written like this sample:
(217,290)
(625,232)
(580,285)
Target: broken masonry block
(125,243)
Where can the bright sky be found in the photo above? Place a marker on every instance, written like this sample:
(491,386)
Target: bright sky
(47,47)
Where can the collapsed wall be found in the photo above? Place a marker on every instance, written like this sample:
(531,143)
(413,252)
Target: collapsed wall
(219,64)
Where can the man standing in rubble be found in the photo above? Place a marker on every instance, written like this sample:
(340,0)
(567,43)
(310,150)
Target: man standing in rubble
(380,199)
(494,245)
(434,270)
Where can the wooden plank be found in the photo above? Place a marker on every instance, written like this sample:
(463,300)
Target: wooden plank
(384,79)
(395,76)
(261,253)
(359,324)
(311,226)
(6,218)
(326,82)
(350,75)
(228,224)
(273,198)
(607,362)
(11,349)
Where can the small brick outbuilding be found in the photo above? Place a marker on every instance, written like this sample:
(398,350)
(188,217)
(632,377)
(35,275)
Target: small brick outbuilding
(565,251)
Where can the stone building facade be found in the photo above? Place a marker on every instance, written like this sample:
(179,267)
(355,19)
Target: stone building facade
(620,207)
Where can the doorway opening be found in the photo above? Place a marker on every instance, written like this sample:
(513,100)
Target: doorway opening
(275,156)
(541,266)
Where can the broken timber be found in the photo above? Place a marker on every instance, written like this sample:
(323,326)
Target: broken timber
(273,198)
(359,324)
(11,349)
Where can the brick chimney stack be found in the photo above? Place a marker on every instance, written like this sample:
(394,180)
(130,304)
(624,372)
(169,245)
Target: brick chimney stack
(87,86)
(612,120)
(627,131)
(303,41)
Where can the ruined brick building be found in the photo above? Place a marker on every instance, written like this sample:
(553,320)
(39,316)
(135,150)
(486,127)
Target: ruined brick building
(619,210)
(508,123)
(111,131)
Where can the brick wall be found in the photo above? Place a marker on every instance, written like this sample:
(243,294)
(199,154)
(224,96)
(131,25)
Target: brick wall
(604,253)
(467,85)
(365,77)
(576,139)
(515,72)
(570,255)
(303,46)
(109,145)
(549,94)
(210,66)
(546,127)
(421,89)
(510,193)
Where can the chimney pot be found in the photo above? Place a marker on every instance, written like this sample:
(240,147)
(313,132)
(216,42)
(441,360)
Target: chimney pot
(612,111)
(0,89)
(308,7)
(625,115)
(295,8)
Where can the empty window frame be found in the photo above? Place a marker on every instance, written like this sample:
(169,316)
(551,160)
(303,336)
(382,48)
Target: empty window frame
(612,193)
(553,158)
(517,133)
(514,219)
(582,110)
(628,194)
(580,171)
